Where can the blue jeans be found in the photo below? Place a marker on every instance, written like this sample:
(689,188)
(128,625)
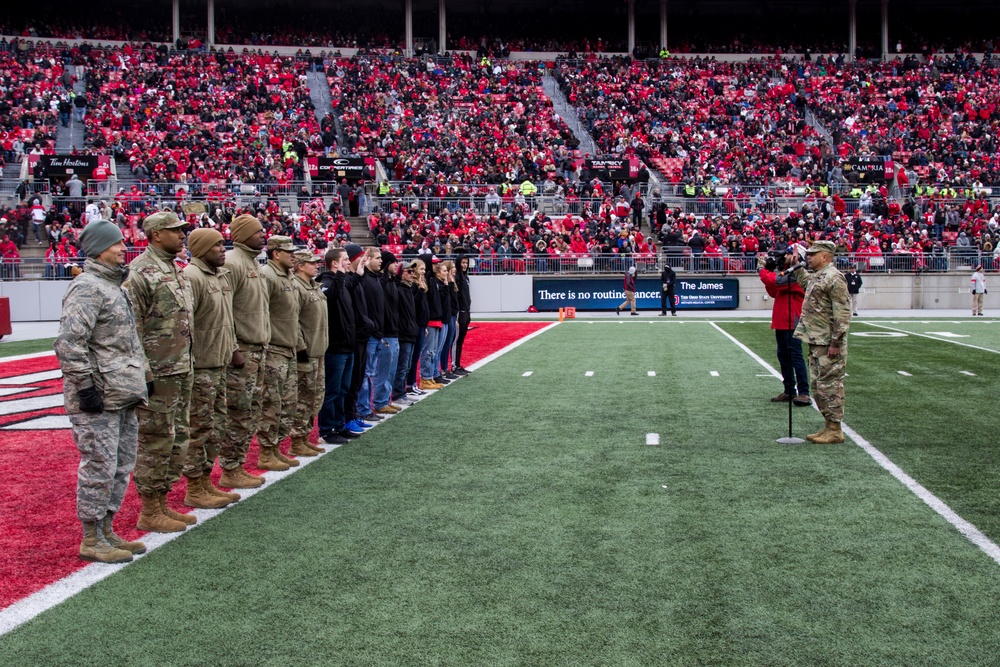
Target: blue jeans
(442,341)
(428,353)
(385,371)
(332,416)
(402,369)
(793,365)
(367,392)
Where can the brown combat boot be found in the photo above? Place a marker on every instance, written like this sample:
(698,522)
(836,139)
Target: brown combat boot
(287,460)
(318,450)
(153,520)
(301,449)
(238,478)
(94,548)
(820,433)
(186,519)
(198,496)
(833,436)
(268,461)
(206,483)
(108,529)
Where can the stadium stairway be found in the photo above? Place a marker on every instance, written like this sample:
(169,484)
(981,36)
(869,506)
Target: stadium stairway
(319,93)
(568,113)
(68,138)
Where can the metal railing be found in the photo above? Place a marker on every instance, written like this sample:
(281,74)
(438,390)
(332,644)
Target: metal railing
(682,260)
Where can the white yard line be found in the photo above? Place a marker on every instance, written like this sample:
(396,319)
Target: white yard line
(972,533)
(652,438)
(651,374)
(57,592)
(905,374)
(942,340)
(527,374)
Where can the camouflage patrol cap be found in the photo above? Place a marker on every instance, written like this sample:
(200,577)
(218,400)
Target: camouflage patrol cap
(162,220)
(306,257)
(823,246)
(281,243)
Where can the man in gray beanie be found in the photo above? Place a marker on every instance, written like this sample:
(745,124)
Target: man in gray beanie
(102,363)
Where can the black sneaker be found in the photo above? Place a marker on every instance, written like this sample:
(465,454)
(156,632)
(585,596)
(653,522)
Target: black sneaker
(347,435)
(417,392)
(440,379)
(336,439)
(451,376)
(460,371)
(372,418)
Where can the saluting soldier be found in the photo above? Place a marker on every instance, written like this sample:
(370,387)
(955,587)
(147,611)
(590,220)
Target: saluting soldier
(214,349)
(104,379)
(161,296)
(309,360)
(245,383)
(280,374)
(825,320)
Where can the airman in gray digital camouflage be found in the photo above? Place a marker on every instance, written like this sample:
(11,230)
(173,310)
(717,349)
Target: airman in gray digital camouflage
(826,318)
(103,369)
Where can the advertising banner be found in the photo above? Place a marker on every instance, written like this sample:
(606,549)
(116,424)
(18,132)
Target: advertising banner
(614,168)
(64,165)
(872,169)
(336,168)
(691,293)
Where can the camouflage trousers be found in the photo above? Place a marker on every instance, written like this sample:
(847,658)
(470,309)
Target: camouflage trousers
(163,434)
(244,390)
(826,380)
(107,444)
(278,410)
(309,399)
(208,420)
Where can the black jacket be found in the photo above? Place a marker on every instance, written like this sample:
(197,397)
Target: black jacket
(375,303)
(340,310)
(464,292)
(363,326)
(667,276)
(434,308)
(406,311)
(390,315)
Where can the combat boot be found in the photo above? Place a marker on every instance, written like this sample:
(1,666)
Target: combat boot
(94,548)
(186,519)
(833,436)
(301,449)
(238,478)
(108,529)
(206,483)
(287,460)
(152,518)
(198,496)
(266,460)
(819,434)
(318,450)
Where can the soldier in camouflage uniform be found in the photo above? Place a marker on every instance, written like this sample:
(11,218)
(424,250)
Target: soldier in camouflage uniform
(245,384)
(103,380)
(280,389)
(214,349)
(161,296)
(826,318)
(309,361)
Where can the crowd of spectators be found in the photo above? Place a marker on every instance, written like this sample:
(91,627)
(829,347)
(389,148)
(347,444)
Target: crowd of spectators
(479,120)
(31,89)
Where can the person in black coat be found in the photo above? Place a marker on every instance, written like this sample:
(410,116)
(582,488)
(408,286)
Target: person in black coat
(432,332)
(371,286)
(364,328)
(406,283)
(464,308)
(420,308)
(388,351)
(669,279)
(339,359)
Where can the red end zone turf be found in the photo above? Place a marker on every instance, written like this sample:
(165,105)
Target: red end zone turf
(39,531)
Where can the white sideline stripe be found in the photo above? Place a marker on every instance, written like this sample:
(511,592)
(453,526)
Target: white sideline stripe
(969,373)
(714,374)
(59,591)
(972,533)
(909,375)
(652,438)
(651,374)
(589,374)
(526,374)
(943,340)
(24,610)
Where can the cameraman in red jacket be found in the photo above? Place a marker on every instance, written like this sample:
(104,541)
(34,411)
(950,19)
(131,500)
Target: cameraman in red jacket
(787,295)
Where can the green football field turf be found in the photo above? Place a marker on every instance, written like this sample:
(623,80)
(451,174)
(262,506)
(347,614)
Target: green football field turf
(522,520)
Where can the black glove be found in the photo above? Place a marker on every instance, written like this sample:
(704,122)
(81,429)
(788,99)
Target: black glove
(302,357)
(91,401)
(149,388)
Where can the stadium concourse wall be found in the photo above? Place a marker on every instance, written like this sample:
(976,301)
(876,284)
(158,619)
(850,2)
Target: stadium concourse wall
(41,300)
